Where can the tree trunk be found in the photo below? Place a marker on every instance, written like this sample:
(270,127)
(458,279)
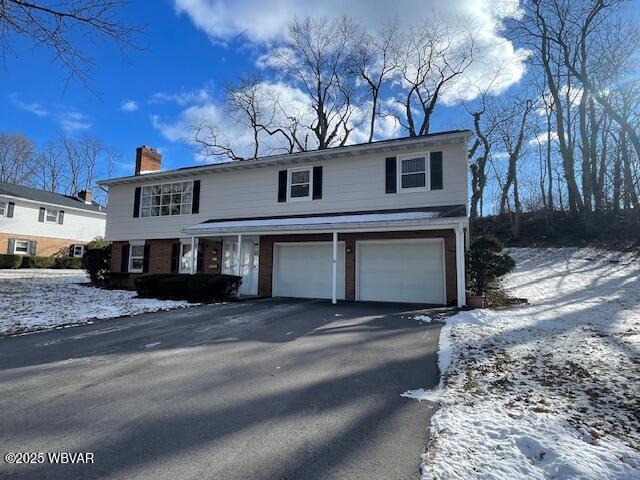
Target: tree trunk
(587,188)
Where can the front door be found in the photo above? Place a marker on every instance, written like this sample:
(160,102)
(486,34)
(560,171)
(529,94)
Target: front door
(248,263)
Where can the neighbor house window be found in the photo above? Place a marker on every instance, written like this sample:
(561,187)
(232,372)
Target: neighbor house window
(166,199)
(21,247)
(413,172)
(300,183)
(78,250)
(3,209)
(52,215)
(136,258)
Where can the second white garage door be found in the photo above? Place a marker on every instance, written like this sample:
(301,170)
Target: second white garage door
(401,271)
(304,270)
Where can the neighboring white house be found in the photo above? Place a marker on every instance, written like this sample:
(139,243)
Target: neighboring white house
(383,221)
(37,222)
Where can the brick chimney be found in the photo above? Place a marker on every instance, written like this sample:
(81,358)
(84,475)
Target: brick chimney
(147,160)
(85,195)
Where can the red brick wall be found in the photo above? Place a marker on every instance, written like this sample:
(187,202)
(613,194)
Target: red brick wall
(45,246)
(265,275)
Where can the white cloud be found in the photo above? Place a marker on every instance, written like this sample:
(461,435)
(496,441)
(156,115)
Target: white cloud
(185,97)
(224,20)
(129,106)
(72,121)
(541,138)
(34,108)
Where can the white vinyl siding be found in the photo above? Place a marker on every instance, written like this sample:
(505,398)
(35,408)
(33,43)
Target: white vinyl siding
(79,225)
(349,184)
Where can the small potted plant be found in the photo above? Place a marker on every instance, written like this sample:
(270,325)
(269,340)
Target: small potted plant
(487,261)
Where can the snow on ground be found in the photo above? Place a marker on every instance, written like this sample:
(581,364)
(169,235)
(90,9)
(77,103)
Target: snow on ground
(35,299)
(545,390)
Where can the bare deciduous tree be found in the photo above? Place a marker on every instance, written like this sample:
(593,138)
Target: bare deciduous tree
(17,159)
(59,26)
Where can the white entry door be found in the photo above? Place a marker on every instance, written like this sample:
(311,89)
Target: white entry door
(400,271)
(248,263)
(305,270)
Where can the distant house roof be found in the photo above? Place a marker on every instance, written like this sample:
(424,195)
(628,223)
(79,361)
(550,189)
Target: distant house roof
(43,196)
(298,157)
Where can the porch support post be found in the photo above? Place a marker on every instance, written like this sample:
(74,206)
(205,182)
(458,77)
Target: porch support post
(460,270)
(334,267)
(192,264)
(238,257)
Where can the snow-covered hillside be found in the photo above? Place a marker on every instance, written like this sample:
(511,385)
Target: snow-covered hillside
(550,389)
(40,298)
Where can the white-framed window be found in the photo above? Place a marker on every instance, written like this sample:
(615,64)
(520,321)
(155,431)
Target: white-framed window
(413,172)
(166,199)
(136,257)
(3,208)
(21,247)
(299,183)
(185,255)
(51,215)
(78,250)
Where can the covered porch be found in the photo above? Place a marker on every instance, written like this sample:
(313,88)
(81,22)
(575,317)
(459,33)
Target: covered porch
(410,256)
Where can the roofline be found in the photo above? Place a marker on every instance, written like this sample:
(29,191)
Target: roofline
(102,211)
(435,223)
(298,157)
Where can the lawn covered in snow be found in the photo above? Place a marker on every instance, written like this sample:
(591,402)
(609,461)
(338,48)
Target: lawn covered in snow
(35,299)
(545,390)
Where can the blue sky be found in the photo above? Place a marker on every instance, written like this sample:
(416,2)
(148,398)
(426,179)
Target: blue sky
(192,48)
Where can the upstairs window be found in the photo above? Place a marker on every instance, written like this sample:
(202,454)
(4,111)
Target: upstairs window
(3,208)
(300,183)
(413,173)
(52,215)
(167,199)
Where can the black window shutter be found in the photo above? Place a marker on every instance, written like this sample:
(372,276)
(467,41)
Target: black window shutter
(71,250)
(175,253)
(32,247)
(282,186)
(435,166)
(391,183)
(41,215)
(145,259)
(10,209)
(11,247)
(195,200)
(200,258)
(61,217)
(317,183)
(124,260)
(136,202)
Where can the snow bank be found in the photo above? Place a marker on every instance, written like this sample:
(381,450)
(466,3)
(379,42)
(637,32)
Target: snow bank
(546,390)
(35,299)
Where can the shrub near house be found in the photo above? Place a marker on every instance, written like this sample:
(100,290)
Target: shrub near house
(199,287)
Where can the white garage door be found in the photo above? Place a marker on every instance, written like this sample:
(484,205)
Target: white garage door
(304,270)
(401,271)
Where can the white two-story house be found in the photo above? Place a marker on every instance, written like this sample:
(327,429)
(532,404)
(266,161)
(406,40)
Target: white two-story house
(382,221)
(37,222)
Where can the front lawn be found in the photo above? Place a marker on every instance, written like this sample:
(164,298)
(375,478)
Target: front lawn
(545,390)
(36,299)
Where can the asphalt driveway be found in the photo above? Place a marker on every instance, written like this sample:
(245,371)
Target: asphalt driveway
(268,389)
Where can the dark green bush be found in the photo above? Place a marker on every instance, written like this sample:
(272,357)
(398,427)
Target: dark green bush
(67,262)
(97,263)
(487,261)
(10,261)
(200,287)
(38,262)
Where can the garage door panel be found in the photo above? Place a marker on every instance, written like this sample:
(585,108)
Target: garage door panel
(401,271)
(305,270)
